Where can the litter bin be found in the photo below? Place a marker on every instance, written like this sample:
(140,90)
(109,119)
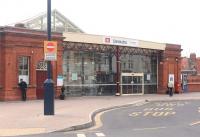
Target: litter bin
(176,88)
(62,95)
(185,88)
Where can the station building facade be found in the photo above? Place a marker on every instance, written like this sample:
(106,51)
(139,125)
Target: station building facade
(106,65)
(88,64)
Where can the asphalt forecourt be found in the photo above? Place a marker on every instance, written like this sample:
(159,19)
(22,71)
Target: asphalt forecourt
(156,118)
(144,119)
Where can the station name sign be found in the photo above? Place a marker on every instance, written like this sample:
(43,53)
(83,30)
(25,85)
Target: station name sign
(120,41)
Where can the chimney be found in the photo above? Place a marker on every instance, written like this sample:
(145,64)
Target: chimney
(193,56)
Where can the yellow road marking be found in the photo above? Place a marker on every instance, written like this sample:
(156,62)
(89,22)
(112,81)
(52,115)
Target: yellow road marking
(195,123)
(98,122)
(152,113)
(100,134)
(169,113)
(158,109)
(172,104)
(199,109)
(23,131)
(155,128)
(81,135)
(135,114)
(158,114)
(147,113)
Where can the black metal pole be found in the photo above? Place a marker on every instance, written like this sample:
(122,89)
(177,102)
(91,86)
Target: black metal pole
(49,84)
(118,72)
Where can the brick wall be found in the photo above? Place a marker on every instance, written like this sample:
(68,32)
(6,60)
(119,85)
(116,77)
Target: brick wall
(1,66)
(192,63)
(194,83)
(198,65)
(184,63)
(24,42)
(169,64)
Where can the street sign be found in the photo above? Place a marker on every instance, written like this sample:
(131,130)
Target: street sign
(50,46)
(50,50)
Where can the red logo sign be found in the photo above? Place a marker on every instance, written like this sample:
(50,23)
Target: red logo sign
(107,40)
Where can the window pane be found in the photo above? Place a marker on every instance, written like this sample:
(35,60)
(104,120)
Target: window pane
(24,72)
(20,72)
(23,68)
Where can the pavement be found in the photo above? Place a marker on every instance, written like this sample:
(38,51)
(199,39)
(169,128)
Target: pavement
(24,118)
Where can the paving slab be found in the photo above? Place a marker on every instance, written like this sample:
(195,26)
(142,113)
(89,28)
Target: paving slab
(22,118)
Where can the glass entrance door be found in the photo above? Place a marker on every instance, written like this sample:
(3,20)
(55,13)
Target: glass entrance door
(132,83)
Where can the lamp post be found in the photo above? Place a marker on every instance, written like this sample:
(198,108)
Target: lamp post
(49,84)
(177,69)
(177,77)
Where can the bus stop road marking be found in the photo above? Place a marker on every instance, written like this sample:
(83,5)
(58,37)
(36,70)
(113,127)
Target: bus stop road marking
(195,123)
(153,114)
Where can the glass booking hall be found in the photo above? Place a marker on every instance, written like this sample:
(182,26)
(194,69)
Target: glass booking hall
(95,72)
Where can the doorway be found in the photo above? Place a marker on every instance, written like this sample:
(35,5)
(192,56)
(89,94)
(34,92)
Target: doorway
(41,76)
(132,83)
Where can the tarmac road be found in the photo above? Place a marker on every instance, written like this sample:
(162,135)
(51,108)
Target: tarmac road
(150,119)
(155,119)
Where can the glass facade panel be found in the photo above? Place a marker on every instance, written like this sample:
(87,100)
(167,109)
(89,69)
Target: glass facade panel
(142,64)
(93,73)
(88,73)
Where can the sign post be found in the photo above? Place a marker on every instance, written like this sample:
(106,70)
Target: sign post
(49,56)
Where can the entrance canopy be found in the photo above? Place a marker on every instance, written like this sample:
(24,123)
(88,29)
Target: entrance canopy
(73,46)
(110,40)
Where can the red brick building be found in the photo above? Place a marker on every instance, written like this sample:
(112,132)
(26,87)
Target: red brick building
(170,64)
(21,55)
(86,64)
(190,67)
(21,52)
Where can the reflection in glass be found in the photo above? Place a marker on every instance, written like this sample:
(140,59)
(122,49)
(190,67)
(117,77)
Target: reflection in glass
(93,73)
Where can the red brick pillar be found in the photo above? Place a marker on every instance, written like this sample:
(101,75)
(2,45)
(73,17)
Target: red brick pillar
(170,64)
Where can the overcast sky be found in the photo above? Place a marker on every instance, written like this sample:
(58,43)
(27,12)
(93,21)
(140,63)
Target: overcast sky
(165,21)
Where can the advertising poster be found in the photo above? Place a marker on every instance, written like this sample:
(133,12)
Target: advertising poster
(171,78)
(60,80)
(74,76)
(148,77)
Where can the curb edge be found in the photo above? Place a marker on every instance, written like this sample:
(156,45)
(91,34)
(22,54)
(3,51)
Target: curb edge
(93,115)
